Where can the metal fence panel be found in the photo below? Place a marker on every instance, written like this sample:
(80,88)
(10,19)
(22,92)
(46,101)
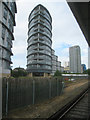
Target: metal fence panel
(53,88)
(4,95)
(20,92)
(41,90)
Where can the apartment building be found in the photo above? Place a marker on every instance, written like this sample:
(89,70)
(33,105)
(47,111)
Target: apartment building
(7,23)
(56,65)
(39,59)
(75,59)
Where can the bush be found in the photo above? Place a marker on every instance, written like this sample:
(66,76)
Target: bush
(87,71)
(18,72)
(57,73)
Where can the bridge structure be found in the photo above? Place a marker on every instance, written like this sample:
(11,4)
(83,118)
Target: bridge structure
(81,10)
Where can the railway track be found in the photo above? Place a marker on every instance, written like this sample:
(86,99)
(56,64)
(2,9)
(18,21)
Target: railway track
(77,109)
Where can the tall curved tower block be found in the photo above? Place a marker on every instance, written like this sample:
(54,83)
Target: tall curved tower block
(39,58)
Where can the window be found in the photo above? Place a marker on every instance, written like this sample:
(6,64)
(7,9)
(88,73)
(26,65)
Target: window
(3,41)
(12,7)
(3,32)
(5,13)
(0,62)
(0,52)
(4,20)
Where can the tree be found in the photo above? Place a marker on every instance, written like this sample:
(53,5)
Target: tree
(18,72)
(87,71)
(57,73)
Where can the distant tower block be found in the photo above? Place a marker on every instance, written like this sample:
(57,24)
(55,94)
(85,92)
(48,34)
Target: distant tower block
(75,59)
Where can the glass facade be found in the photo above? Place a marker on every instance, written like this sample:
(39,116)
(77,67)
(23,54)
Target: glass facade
(75,59)
(7,21)
(39,57)
(56,65)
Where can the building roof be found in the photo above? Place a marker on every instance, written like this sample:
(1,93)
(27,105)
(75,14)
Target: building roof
(80,11)
(43,7)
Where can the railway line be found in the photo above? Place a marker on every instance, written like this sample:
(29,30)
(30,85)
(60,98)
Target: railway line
(77,109)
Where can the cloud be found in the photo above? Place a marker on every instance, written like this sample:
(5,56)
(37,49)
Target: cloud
(65,30)
(18,50)
(18,62)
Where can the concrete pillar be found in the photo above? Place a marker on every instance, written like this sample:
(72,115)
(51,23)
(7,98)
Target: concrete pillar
(46,75)
(30,75)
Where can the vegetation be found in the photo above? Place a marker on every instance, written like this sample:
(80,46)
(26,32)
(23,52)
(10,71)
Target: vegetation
(71,73)
(18,72)
(57,73)
(87,71)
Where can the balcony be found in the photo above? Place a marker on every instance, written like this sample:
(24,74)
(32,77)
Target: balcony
(45,43)
(7,58)
(38,69)
(42,14)
(33,38)
(44,23)
(37,57)
(39,51)
(41,62)
(33,51)
(32,42)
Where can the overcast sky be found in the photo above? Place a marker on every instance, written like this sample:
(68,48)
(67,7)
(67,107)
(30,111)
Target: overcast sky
(65,31)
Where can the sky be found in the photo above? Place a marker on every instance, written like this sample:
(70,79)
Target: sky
(65,31)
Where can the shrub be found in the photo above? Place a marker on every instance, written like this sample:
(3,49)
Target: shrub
(18,72)
(57,73)
(87,71)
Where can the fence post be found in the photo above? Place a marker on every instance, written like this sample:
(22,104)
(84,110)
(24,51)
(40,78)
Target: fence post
(0,98)
(62,87)
(7,98)
(49,88)
(57,86)
(33,92)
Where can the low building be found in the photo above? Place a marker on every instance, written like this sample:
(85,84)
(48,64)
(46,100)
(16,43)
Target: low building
(56,65)
(62,69)
(83,68)
(67,69)
(66,63)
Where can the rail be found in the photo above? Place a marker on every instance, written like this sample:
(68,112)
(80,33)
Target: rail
(59,115)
